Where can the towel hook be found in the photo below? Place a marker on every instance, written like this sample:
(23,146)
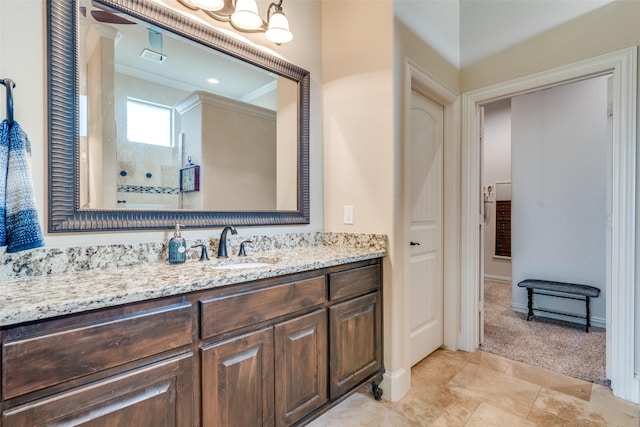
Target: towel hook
(9,84)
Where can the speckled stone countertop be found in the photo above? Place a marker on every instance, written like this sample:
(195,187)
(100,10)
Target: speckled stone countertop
(40,295)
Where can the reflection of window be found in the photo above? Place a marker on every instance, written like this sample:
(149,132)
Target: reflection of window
(148,123)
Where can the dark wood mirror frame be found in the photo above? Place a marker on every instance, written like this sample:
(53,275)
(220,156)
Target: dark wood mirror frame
(64,210)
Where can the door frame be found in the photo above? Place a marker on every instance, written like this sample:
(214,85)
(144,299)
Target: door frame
(621,254)
(420,80)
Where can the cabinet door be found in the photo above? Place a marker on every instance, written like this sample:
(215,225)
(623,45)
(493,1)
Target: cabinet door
(158,395)
(355,339)
(237,381)
(301,366)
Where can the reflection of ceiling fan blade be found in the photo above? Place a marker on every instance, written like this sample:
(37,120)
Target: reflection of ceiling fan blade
(109,17)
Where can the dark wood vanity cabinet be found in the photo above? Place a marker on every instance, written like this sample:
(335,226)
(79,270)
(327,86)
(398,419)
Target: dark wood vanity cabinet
(274,352)
(131,365)
(355,334)
(273,376)
(355,340)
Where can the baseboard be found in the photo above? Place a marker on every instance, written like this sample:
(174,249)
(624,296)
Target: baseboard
(598,322)
(396,384)
(635,392)
(497,278)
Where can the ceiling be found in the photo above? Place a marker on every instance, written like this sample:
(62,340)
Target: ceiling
(466,31)
(188,65)
(462,31)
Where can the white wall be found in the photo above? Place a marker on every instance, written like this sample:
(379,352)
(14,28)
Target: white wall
(559,176)
(434,75)
(497,168)
(23,58)
(359,149)
(609,28)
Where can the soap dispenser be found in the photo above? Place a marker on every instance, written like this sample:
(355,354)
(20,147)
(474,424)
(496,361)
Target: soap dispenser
(177,247)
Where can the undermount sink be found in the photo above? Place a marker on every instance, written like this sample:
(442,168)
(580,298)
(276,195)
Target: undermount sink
(242,265)
(238,263)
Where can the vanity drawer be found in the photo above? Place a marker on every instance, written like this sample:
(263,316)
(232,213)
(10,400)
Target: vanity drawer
(35,363)
(230,312)
(354,282)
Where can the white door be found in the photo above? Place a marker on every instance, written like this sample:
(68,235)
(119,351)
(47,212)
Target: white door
(425,193)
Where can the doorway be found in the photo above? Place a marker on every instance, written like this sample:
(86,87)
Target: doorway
(554,143)
(419,80)
(620,283)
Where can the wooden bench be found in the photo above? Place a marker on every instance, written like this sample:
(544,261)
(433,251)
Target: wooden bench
(574,291)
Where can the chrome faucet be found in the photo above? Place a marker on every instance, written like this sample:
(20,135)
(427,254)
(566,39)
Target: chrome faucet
(222,243)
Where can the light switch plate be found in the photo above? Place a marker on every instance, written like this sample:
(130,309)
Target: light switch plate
(348,214)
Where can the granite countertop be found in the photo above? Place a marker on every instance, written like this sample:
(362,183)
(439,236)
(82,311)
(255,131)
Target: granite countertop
(40,297)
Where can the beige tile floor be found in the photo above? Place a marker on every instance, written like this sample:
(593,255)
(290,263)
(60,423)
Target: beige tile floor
(481,389)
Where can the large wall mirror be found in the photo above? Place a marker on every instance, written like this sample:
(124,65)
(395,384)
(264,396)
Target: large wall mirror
(157,119)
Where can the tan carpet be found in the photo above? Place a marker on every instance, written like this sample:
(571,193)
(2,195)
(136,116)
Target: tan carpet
(555,345)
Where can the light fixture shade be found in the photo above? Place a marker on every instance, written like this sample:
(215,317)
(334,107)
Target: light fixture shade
(246,15)
(278,31)
(212,5)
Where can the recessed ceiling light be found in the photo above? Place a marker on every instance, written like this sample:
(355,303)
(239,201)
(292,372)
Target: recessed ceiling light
(213,80)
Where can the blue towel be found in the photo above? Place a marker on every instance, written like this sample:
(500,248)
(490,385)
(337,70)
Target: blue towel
(19,225)
(4,167)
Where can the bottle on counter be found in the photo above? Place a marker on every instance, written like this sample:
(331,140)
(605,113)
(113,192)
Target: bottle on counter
(177,247)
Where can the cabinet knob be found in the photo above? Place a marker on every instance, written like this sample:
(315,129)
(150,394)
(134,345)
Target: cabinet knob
(414,244)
